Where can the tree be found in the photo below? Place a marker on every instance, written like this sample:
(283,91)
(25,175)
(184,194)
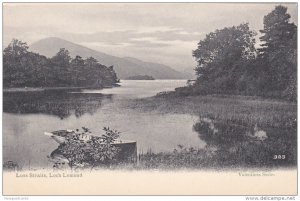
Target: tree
(16,48)
(13,63)
(93,70)
(278,31)
(62,57)
(222,56)
(91,62)
(61,67)
(38,69)
(77,71)
(279,51)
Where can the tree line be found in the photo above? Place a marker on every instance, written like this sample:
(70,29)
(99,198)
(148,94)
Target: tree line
(22,68)
(230,63)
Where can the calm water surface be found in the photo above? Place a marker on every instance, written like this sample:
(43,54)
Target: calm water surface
(28,115)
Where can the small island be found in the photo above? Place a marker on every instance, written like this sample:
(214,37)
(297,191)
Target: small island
(140,77)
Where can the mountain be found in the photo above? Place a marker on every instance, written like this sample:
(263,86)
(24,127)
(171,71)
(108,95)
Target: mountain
(124,67)
(159,68)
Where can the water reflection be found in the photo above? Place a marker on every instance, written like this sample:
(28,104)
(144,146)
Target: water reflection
(58,103)
(241,143)
(27,115)
(227,133)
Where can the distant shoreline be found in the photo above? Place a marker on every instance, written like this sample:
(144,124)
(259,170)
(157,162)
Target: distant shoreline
(140,77)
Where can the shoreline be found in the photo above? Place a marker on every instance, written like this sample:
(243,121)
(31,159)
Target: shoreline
(40,89)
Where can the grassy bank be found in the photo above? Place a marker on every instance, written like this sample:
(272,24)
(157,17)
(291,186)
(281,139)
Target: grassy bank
(247,109)
(239,132)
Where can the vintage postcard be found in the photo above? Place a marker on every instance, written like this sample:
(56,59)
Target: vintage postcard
(149,99)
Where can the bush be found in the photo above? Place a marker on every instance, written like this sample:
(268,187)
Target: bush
(95,152)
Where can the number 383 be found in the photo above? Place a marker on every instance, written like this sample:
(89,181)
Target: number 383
(279,157)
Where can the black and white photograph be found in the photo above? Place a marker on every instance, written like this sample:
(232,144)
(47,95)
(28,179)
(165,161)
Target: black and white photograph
(156,88)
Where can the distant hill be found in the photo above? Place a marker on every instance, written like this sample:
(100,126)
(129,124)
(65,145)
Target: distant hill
(124,67)
(160,69)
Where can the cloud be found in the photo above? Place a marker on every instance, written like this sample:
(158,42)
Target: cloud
(161,32)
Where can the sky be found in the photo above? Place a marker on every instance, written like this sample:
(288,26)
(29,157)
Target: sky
(164,33)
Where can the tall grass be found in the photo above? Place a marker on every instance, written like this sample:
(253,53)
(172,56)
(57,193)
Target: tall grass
(245,109)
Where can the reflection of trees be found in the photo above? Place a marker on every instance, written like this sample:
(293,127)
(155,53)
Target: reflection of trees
(222,134)
(58,103)
(239,143)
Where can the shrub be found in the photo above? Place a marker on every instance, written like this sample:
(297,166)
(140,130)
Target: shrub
(95,152)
